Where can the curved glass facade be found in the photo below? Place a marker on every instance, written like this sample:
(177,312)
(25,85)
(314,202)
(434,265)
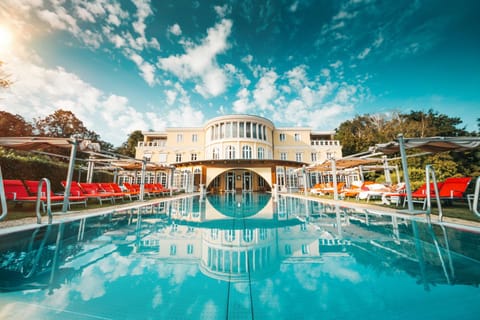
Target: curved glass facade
(239,137)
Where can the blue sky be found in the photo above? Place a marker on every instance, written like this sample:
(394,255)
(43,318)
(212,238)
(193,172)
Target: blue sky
(121,66)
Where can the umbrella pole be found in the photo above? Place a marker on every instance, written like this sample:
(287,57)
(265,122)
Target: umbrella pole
(68,184)
(405,172)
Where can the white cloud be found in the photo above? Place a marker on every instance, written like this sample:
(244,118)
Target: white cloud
(171,96)
(242,104)
(293,7)
(222,11)
(40,91)
(336,64)
(265,90)
(185,116)
(143,12)
(199,62)
(364,53)
(175,29)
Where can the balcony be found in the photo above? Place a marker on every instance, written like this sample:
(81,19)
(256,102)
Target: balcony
(325,143)
(159,144)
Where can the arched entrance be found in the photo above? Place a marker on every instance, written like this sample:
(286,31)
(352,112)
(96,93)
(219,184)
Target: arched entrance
(238,180)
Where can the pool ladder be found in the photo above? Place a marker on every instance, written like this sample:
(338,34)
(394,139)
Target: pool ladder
(430,173)
(3,198)
(48,206)
(475,198)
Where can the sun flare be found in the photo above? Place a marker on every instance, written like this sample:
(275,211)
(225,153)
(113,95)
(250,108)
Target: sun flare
(5,38)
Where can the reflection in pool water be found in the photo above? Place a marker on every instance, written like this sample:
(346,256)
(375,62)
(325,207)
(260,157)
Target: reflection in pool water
(240,256)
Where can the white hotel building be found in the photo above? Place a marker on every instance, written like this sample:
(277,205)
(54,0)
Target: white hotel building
(236,153)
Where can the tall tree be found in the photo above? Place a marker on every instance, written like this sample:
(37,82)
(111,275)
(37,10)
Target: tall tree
(363,131)
(60,124)
(128,147)
(14,125)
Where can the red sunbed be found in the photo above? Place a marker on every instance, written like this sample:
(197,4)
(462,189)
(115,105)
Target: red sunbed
(32,187)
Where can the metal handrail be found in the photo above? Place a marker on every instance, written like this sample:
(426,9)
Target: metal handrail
(3,198)
(475,197)
(48,207)
(429,171)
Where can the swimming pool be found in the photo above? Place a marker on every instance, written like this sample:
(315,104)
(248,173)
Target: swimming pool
(240,256)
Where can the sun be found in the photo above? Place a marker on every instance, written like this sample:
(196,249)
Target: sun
(5,38)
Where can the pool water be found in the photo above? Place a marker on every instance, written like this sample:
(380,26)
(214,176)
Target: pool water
(240,256)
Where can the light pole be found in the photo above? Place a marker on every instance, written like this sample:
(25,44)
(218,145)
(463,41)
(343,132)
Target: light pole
(146,158)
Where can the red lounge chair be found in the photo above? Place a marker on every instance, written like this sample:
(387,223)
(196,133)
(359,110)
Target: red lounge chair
(114,188)
(454,188)
(107,188)
(420,194)
(94,189)
(132,187)
(16,191)
(32,187)
(77,190)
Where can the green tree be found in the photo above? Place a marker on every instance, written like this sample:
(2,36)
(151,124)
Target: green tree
(64,124)
(128,147)
(61,124)
(364,131)
(14,125)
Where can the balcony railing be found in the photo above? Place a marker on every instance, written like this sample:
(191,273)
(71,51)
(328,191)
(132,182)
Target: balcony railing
(152,144)
(325,143)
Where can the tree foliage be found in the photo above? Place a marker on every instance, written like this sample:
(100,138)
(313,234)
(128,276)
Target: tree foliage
(128,147)
(364,131)
(61,124)
(14,125)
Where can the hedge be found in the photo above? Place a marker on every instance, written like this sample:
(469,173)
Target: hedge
(34,167)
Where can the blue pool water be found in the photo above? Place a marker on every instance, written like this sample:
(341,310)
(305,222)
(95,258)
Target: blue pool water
(240,256)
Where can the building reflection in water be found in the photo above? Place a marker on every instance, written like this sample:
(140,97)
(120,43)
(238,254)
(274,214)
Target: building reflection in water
(240,236)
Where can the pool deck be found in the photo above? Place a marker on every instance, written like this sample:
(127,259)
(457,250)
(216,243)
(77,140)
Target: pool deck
(10,226)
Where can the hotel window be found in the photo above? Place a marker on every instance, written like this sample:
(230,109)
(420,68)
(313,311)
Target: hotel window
(288,249)
(283,156)
(305,249)
(173,250)
(298,157)
(215,154)
(297,136)
(189,248)
(247,235)
(248,130)
(228,130)
(264,133)
(260,132)
(241,133)
(260,153)
(263,234)
(179,137)
(282,137)
(229,235)
(193,157)
(234,129)
(314,157)
(214,234)
(178,157)
(194,137)
(162,157)
(254,131)
(230,152)
(247,152)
